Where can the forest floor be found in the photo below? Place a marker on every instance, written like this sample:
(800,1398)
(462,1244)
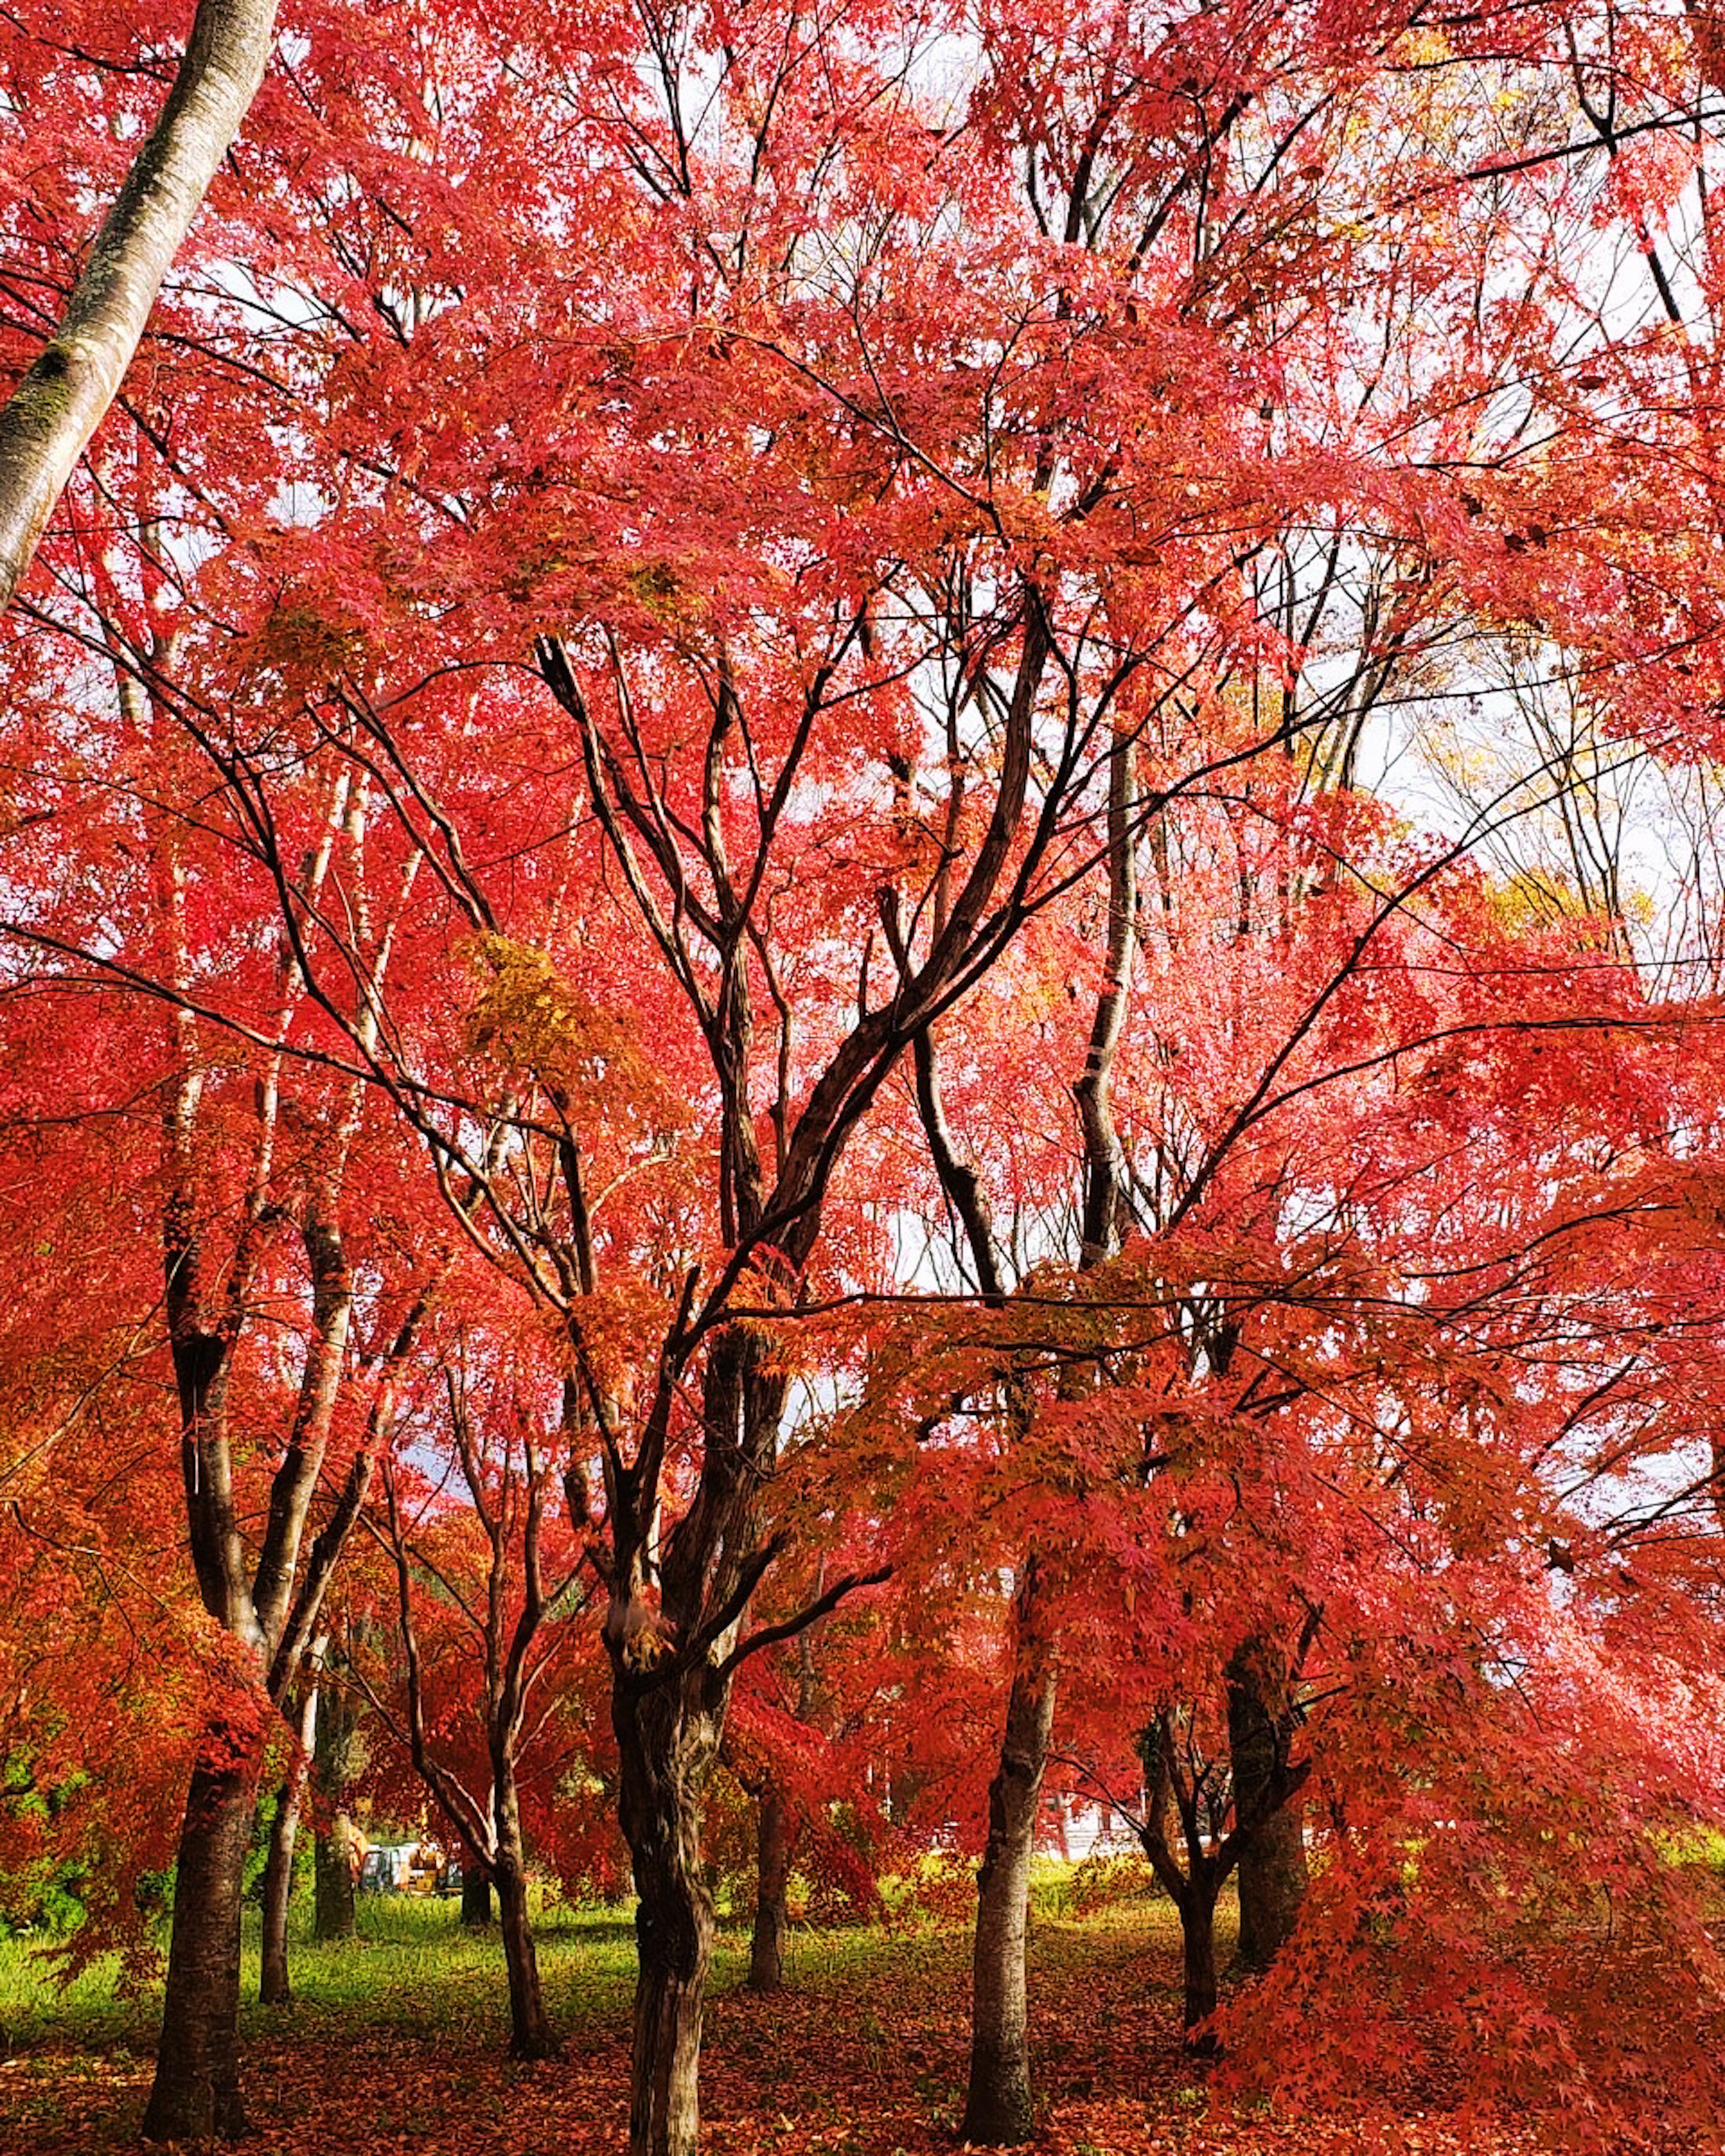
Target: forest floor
(395,2042)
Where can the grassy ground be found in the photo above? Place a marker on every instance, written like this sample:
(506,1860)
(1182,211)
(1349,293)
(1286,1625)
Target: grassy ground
(395,2042)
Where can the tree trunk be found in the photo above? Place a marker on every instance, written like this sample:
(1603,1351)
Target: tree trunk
(1198,1929)
(530,2035)
(196,2094)
(1272,1859)
(70,384)
(333,1912)
(775,1841)
(666,1745)
(273,1989)
(1272,1884)
(673,1940)
(998,2107)
(475,1893)
(333,1771)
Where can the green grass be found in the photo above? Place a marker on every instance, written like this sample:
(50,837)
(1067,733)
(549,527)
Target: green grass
(85,2016)
(412,1967)
(412,1963)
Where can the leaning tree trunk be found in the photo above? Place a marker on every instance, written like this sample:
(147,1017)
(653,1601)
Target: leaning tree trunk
(1272,1857)
(775,1843)
(998,2107)
(530,2035)
(73,379)
(273,1989)
(196,2095)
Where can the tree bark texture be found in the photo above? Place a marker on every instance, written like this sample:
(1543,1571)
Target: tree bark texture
(1198,1929)
(273,1989)
(475,1893)
(60,402)
(670,1689)
(1272,1856)
(530,2035)
(333,1916)
(998,2107)
(195,2096)
(667,1742)
(775,1843)
(335,1765)
(1272,1885)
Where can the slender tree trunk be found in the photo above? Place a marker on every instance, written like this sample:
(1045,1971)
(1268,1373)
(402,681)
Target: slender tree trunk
(333,1770)
(196,2095)
(530,2035)
(1272,1859)
(778,1829)
(475,1893)
(997,2109)
(775,1843)
(273,1989)
(70,384)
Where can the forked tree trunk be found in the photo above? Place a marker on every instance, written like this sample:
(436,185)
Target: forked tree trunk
(998,2107)
(1194,1888)
(273,1989)
(267,1596)
(775,1843)
(196,2095)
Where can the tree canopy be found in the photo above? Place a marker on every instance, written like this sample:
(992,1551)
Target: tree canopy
(859,885)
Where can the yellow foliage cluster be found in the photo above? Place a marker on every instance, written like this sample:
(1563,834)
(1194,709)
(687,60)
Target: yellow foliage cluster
(529,1019)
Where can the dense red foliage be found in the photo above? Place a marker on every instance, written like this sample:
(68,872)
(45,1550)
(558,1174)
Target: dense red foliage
(656,565)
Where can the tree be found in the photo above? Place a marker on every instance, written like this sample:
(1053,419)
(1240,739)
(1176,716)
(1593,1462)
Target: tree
(275,1987)
(511,1601)
(72,381)
(723,579)
(250,1168)
(338,1761)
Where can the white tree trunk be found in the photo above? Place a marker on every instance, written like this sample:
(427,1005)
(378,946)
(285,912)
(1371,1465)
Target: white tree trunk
(60,401)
